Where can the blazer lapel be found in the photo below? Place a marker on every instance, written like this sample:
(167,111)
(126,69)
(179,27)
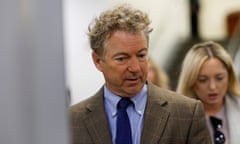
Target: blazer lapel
(96,121)
(233,108)
(156,116)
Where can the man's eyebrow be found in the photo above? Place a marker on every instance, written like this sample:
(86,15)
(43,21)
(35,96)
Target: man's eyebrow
(126,54)
(120,53)
(143,49)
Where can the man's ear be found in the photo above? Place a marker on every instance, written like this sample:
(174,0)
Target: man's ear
(97,61)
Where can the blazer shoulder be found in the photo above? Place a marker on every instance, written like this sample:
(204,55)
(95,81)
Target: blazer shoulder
(234,99)
(84,105)
(79,110)
(88,103)
(170,96)
(78,107)
(173,101)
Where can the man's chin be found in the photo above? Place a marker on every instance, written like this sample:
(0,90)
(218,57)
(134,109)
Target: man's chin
(133,91)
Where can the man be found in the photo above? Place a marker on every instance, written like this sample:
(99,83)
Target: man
(119,39)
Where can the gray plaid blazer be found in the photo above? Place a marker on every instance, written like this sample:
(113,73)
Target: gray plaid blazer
(169,118)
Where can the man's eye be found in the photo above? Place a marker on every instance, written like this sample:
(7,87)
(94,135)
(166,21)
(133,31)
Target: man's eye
(120,59)
(142,56)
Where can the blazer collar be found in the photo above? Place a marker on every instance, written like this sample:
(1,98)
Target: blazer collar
(155,118)
(233,107)
(96,120)
(156,115)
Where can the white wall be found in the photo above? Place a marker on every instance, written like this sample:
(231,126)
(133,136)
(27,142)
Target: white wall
(82,77)
(212,17)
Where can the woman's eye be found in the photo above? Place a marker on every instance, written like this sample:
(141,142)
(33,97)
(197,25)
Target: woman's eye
(202,80)
(119,59)
(220,78)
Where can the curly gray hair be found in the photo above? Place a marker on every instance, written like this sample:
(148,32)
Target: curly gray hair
(123,17)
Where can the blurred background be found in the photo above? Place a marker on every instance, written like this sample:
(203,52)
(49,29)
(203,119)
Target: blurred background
(177,24)
(45,58)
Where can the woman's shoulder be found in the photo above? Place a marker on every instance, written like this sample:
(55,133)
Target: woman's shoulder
(233,100)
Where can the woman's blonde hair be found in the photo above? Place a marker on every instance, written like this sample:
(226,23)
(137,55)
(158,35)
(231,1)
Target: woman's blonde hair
(160,76)
(193,61)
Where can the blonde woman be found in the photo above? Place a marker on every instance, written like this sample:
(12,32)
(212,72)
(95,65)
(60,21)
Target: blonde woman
(208,75)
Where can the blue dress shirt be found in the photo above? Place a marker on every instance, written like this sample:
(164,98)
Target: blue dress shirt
(135,112)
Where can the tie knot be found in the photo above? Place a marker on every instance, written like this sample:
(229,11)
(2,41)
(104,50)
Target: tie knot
(124,103)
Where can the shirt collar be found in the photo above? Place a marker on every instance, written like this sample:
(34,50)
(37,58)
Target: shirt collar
(139,100)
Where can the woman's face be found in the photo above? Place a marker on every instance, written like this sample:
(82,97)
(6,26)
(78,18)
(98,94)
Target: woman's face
(212,82)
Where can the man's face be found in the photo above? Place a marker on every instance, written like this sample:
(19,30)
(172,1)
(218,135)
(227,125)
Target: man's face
(125,63)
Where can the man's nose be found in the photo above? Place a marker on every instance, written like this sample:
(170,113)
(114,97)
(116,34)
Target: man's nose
(134,65)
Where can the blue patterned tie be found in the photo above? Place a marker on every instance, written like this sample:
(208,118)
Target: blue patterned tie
(124,135)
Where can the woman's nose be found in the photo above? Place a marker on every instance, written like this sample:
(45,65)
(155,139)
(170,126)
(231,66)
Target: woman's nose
(212,84)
